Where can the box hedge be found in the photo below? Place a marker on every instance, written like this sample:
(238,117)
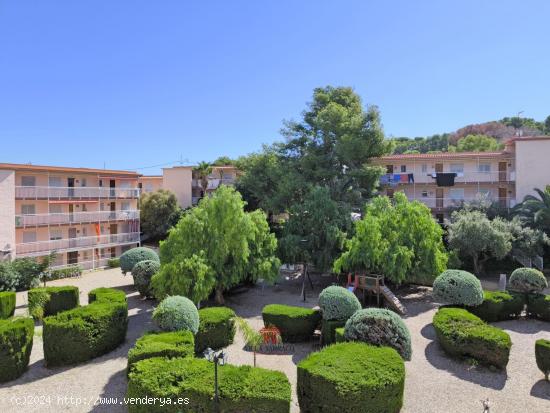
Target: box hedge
(328,330)
(241,389)
(170,345)
(7,304)
(295,323)
(499,306)
(542,355)
(538,306)
(461,333)
(351,377)
(339,335)
(86,332)
(46,301)
(16,336)
(216,328)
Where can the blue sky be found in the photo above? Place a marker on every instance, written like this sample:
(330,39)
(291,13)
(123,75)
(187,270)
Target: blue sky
(129,84)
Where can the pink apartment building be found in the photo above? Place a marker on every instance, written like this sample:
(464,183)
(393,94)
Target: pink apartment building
(86,215)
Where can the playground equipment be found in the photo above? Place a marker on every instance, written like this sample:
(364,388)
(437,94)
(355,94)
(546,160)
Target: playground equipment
(374,284)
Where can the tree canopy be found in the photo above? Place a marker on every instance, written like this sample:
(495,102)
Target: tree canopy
(159,211)
(476,143)
(534,211)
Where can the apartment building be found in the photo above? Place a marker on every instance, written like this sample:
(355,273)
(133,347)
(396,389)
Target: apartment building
(86,215)
(444,181)
(186,183)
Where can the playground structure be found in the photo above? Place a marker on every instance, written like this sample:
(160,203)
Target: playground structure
(373,284)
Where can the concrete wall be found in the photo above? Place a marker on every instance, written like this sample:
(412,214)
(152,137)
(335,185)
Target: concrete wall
(532,166)
(7,212)
(178,180)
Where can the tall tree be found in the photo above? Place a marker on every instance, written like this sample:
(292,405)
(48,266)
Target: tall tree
(159,211)
(535,210)
(203,170)
(476,143)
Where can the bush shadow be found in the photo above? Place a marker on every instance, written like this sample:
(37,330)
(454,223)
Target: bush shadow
(541,389)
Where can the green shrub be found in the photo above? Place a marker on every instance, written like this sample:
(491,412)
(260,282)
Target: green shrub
(542,355)
(328,330)
(170,345)
(242,389)
(295,323)
(133,256)
(86,332)
(350,378)
(113,262)
(7,304)
(379,327)
(177,313)
(337,303)
(527,280)
(15,347)
(538,306)
(458,288)
(67,272)
(339,335)
(46,301)
(499,306)
(29,270)
(461,333)
(142,272)
(9,278)
(216,328)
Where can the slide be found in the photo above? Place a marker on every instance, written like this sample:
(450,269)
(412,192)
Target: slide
(393,300)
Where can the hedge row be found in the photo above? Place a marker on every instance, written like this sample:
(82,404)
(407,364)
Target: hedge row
(86,332)
(216,328)
(538,306)
(351,377)
(242,389)
(461,333)
(542,355)
(499,306)
(16,336)
(47,301)
(295,323)
(7,304)
(328,330)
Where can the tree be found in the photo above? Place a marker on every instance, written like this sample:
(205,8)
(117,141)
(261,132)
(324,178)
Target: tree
(476,143)
(223,161)
(252,338)
(526,242)
(535,211)
(159,211)
(215,246)
(471,234)
(396,238)
(547,126)
(203,169)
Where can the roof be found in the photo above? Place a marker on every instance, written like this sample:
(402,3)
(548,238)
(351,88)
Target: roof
(48,168)
(445,155)
(150,177)
(528,138)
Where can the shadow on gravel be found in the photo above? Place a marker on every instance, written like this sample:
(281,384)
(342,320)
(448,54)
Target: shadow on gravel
(541,389)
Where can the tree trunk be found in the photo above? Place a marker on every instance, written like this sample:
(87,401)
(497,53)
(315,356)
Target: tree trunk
(254,358)
(219,296)
(477,264)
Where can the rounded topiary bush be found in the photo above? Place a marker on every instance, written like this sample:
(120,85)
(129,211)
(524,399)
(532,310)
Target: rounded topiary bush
(142,272)
(351,377)
(542,355)
(527,280)
(216,328)
(135,255)
(15,347)
(177,313)
(458,287)
(380,327)
(337,303)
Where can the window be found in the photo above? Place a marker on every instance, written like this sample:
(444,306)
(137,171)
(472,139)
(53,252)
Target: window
(389,169)
(403,168)
(125,206)
(484,193)
(55,209)
(84,208)
(148,187)
(456,194)
(56,233)
(424,194)
(83,182)
(55,181)
(29,236)
(484,168)
(424,167)
(457,167)
(28,181)
(28,209)
(84,231)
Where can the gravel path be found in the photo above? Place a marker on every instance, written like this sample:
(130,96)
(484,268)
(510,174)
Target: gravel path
(434,383)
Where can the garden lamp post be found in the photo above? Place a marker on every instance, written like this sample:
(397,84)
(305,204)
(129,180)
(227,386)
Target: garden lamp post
(216,358)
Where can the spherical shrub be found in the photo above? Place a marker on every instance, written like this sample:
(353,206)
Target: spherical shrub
(458,287)
(380,327)
(337,303)
(177,313)
(135,255)
(142,272)
(527,280)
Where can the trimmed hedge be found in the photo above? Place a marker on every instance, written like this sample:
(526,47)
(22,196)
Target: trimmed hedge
(131,257)
(242,389)
(542,355)
(458,287)
(461,333)
(538,306)
(7,304)
(295,323)
(113,262)
(328,330)
(177,313)
(339,335)
(499,306)
(216,328)
(86,332)
(337,303)
(46,301)
(16,336)
(527,280)
(71,271)
(142,273)
(350,378)
(170,345)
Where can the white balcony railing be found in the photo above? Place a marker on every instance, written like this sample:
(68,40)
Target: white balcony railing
(54,192)
(77,243)
(74,217)
(85,265)
(454,203)
(467,176)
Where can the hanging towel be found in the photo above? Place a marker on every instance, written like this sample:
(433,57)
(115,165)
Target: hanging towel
(445,178)
(396,177)
(404,178)
(385,179)
(411,178)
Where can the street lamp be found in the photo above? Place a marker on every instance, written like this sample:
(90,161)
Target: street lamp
(217,358)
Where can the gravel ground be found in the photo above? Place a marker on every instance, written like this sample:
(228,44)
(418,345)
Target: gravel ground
(434,383)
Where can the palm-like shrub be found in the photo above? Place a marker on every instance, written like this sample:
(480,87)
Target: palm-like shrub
(380,327)
(527,280)
(142,272)
(135,255)
(337,303)
(458,287)
(177,313)
(535,211)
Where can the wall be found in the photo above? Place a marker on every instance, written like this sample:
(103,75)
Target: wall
(532,168)
(7,212)
(178,180)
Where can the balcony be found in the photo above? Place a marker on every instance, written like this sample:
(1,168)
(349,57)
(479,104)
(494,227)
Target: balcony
(74,218)
(466,177)
(85,265)
(76,193)
(43,247)
(445,203)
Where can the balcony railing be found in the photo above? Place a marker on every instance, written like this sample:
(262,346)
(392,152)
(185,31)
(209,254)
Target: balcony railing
(74,217)
(467,176)
(85,265)
(77,243)
(82,192)
(455,203)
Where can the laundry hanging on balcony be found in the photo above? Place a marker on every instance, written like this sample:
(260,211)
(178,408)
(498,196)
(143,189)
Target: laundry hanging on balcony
(444,178)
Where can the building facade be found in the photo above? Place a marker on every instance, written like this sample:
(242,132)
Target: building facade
(444,181)
(85,215)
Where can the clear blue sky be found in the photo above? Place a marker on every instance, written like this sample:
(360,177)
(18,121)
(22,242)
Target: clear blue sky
(139,83)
